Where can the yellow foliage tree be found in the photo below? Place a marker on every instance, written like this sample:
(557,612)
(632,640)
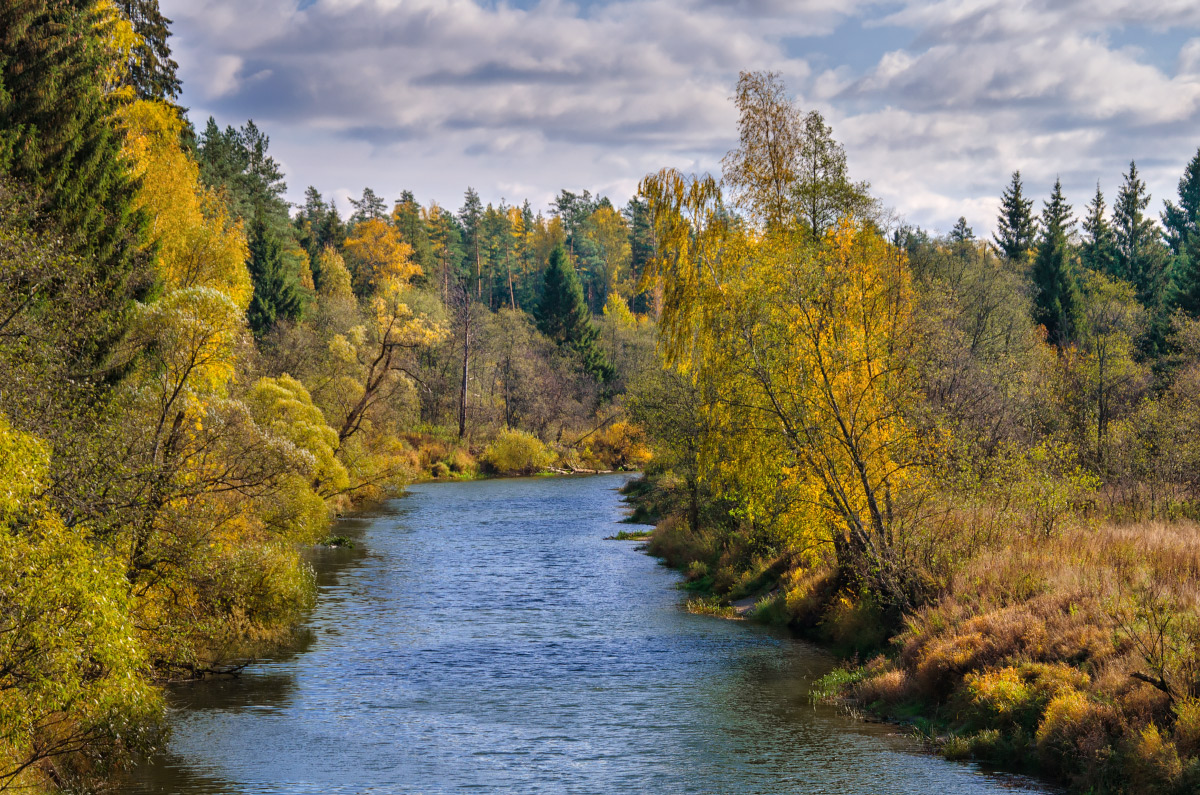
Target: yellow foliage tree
(197,243)
(805,355)
(381,255)
(72,674)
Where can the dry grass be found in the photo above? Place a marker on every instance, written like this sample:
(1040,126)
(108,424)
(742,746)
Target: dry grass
(1046,645)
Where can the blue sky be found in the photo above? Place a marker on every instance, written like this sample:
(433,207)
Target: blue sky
(936,102)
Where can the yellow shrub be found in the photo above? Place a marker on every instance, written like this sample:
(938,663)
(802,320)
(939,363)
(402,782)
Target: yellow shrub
(1076,734)
(1187,726)
(1156,760)
(620,446)
(517,453)
(889,687)
(1002,693)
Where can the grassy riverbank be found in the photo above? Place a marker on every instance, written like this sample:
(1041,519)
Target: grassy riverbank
(1071,657)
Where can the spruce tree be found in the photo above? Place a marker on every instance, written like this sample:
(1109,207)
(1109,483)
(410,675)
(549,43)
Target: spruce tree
(563,316)
(407,218)
(1056,291)
(152,73)
(57,137)
(371,207)
(1182,224)
(1183,221)
(470,215)
(1014,238)
(1099,249)
(1141,255)
(276,296)
(961,233)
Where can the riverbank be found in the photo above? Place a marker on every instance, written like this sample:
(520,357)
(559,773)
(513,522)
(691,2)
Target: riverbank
(1071,657)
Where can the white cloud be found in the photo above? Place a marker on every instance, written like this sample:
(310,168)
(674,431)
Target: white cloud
(435,95)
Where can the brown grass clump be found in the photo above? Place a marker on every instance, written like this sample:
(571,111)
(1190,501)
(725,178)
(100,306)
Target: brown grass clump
(886,689)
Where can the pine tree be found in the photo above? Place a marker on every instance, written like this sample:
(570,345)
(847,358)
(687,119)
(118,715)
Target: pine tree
(1182,224)
(276,296)
(961,233)
(237,161)
(371,207)
(407,217)
(563,316)
(1099,249)
(1014,238)
(641,248)
(470,215)
(1057,294)
(57,137)
(152,73)
(1141,255)
(1183,221)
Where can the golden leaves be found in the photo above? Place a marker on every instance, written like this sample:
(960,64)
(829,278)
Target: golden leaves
(381,254)
(198,244)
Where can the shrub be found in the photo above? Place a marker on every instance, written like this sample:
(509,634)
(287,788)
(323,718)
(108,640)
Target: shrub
(461,462)
(1154,761)
(1187,727)
(619,446)
(1018,695)
(517,453)
(674,542)
(1076,735)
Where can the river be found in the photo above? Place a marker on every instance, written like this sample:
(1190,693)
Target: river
(485,637)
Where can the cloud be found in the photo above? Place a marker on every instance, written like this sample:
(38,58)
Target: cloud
(435,95)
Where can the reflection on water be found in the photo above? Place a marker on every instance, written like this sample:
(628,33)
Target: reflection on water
(484,637)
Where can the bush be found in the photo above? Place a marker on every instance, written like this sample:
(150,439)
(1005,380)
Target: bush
(620,446)
(517,453)
(1076,737)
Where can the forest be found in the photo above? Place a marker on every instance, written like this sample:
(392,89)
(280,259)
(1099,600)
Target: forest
(968,465)
(196,377)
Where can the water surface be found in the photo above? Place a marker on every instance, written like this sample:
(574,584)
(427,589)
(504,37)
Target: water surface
(485,637)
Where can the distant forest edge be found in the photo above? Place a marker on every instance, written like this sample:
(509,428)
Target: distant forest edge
(972,463)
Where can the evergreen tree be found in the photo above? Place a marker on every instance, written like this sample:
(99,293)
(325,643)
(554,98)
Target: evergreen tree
(371,207)
(1182,224)
(961,233)
(276,293)
(470,215)
(823,192)
(407,218)
(1014,238)
(307,223)
(1183,221)
(1099,249)
(641,247)
(1054,282)
(1141,255)
(152,72)
(237,161)
(332,231)
(563,316)
(57,138)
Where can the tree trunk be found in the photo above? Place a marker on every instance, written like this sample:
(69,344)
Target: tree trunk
(462,395)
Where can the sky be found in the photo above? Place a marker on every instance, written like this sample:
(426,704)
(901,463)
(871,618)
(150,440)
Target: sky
(936,102)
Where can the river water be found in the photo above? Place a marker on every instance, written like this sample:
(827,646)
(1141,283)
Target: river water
(484,637)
